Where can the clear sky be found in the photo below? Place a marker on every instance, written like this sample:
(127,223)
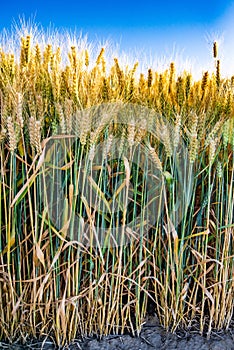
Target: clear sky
(157,28)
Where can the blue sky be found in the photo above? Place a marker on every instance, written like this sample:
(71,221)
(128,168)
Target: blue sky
(154,27)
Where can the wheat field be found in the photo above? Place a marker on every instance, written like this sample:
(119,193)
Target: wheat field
(89,146)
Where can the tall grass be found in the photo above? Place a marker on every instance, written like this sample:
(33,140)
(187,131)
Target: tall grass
(116,195)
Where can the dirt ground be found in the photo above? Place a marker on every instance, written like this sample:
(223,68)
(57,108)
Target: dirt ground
(152,337)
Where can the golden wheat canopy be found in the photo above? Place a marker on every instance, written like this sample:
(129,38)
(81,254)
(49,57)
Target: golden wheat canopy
(116,193)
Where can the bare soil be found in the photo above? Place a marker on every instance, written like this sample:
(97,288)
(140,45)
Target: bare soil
(153,336)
